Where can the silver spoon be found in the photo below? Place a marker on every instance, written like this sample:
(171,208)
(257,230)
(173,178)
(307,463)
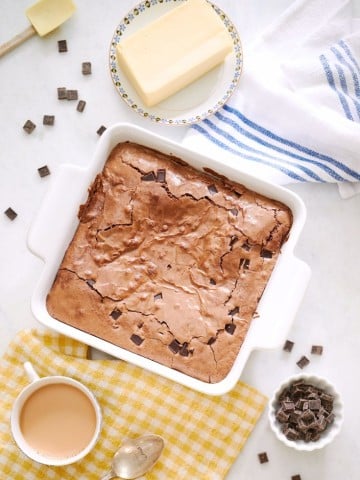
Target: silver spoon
(135,457)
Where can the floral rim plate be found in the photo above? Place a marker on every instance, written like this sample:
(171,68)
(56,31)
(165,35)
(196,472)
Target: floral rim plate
(193,103)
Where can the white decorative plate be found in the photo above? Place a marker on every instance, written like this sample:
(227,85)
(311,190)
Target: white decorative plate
(193,103)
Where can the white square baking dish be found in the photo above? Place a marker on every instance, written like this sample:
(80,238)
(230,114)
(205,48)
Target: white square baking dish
(57,221)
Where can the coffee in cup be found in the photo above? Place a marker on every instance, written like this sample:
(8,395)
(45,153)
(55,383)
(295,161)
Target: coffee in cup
(55,420)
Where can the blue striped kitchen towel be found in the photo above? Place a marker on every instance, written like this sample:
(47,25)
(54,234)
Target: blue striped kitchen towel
(295,116)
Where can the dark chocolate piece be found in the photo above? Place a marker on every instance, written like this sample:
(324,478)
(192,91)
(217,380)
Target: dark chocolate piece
(62,93)
(244,263)
(72,94)
(230,328)
(234,311)
(86,68)
(101,130)
(44,171)
(149,177)
(246,246)
(212,281)
(211,340)
(81,106)
(212,189)
(233,240)
(296,477)
(136,339)
(266,253)
(115,314)
(48,119)
(62,46)
(263,458)
(303,362)
(234,211)
(184,351)
(317,350)
(158,296)
(288,346)
(161,175)
(175,346)
(10,213)
(29,126)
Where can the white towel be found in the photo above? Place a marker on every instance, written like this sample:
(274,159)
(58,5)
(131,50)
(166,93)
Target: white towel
(295,116)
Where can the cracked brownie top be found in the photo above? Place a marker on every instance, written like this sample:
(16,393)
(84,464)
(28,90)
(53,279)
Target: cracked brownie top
(169,262)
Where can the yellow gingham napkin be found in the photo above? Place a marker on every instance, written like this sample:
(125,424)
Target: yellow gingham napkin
(203,434)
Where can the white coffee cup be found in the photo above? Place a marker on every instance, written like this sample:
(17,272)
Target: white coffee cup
(55,420)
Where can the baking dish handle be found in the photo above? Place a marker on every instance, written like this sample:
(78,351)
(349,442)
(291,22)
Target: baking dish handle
(57,219)
(288,285)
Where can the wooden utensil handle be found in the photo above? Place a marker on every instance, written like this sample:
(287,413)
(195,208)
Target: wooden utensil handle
(17,40)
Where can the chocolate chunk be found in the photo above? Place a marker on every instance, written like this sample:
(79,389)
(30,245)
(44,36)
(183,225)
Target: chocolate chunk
(211,340)
(315,404)
(303,362)
(101,130)
(291,434)
(233,240)
(161,175)
(44,171)
(29,126)
(62,46)
(266,253)
(246,246)
(244,263)
(10,213)
(296,477)
(86,68)
(212,281)
(81,106)
(288,406)
(148,177)
(136,339)
(175,346)
(317,349)
(158,296)
(263,458)
(230,328)
(281,416)
(48,120)
(212,189)
(115,314)
(184,351)
(234,311)
(72,94)
(62,93)
(234,211)
(288,346)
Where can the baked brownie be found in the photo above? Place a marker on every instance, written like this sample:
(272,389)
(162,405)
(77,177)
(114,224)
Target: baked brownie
(169,262)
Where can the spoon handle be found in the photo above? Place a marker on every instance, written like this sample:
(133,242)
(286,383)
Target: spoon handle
(17,40)
(108,476)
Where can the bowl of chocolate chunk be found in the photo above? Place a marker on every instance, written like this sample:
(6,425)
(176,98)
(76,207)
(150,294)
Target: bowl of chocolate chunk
(306,412)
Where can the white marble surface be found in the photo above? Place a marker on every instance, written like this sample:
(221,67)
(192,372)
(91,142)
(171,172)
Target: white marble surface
(329,313)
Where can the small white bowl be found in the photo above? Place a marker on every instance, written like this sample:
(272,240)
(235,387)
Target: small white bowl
(328,435)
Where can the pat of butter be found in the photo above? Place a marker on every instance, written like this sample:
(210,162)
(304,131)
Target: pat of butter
(174,50)
(46,15)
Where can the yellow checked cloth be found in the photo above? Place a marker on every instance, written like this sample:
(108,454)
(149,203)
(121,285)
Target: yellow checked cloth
(203,434)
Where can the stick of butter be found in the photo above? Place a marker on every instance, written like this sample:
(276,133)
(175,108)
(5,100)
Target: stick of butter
(174,50)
